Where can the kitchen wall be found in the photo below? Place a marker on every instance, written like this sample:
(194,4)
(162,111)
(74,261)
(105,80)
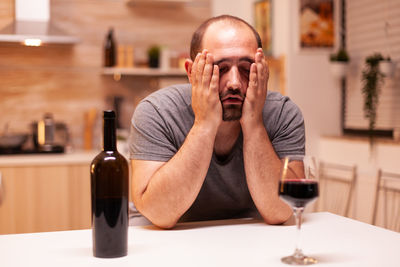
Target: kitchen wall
(67,80)
(311,84)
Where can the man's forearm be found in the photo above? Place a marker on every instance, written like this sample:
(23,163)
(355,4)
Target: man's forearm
(174,187)
(262,167)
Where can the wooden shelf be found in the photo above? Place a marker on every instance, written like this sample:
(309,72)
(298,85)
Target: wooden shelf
(145,72)
(277,69)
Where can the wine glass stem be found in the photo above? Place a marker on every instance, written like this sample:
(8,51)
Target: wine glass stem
(298,212)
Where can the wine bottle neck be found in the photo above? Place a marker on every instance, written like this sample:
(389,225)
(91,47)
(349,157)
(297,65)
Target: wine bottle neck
(110,138)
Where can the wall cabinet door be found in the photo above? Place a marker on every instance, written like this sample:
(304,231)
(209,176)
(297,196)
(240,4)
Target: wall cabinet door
(44,198)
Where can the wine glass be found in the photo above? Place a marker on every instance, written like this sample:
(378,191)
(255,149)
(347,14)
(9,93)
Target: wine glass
(298,187)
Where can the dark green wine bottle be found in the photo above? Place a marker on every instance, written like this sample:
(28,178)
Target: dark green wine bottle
(110,188)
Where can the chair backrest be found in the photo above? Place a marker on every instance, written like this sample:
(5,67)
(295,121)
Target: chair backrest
(336,187)
(387,201)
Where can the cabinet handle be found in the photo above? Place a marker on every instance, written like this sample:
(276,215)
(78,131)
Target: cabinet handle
(1,189)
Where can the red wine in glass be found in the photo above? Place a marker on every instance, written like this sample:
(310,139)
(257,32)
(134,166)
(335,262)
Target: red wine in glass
(298,192)
(298,186)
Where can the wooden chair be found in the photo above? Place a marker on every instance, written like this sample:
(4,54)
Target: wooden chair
(336,187)
(387,201)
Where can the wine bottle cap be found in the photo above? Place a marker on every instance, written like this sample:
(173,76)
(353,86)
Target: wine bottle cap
(109,114)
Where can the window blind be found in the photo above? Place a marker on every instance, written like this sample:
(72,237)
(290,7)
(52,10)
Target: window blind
(372,26)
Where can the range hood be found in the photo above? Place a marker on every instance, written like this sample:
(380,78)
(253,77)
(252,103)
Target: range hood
(32,26)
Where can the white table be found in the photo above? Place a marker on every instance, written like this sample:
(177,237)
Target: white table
(333,240)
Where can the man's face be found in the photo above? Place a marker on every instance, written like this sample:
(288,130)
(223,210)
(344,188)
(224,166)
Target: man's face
(233,48)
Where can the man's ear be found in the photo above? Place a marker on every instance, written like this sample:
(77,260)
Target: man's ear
(188,67)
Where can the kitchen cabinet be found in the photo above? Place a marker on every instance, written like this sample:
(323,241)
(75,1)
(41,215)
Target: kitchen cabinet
(44,195)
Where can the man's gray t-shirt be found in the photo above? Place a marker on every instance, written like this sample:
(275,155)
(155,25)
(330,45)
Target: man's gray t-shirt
(161,123)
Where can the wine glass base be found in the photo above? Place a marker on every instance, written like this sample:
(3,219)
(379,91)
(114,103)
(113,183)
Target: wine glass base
(298,260)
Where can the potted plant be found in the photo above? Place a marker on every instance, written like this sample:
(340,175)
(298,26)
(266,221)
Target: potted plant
(372,80)
(154,56)
(339,63)
(387,66)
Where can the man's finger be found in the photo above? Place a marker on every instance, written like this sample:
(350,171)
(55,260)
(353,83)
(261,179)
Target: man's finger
(214,84)
(193,74)
(253,80)
(208,69)
(260,70)
(200,66)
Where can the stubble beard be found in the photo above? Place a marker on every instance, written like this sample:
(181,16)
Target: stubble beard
(231,112)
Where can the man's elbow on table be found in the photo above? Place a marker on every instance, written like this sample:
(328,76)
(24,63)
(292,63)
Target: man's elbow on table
(280,217)
(155,218)
(276,221)
(163,224)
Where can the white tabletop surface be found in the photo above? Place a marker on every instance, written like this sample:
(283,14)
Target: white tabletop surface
(333,240)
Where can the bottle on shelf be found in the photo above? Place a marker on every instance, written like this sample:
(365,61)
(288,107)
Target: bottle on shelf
(130,57)
(110,49)
(121,57)
(109,174)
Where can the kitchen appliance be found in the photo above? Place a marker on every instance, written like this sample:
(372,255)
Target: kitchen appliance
(32,25)
(48,135)
(10,142)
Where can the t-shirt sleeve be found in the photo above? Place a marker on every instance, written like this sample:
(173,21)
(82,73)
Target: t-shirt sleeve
(150,137)
(289,138)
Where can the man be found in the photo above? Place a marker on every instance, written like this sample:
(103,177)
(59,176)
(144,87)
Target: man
(211,149)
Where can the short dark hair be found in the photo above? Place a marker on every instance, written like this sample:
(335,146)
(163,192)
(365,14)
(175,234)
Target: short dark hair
(197,38)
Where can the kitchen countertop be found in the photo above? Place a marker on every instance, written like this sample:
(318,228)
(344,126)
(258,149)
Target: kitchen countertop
(76,157)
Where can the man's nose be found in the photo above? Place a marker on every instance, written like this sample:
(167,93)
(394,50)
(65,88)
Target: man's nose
(234,79)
